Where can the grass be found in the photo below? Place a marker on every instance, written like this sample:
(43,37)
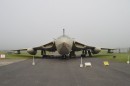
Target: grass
(119,57)
(23,55)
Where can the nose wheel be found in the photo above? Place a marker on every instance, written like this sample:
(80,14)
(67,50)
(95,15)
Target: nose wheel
(64,56)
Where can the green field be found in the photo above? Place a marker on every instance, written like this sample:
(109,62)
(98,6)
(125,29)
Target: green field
(119,57)
(24,55)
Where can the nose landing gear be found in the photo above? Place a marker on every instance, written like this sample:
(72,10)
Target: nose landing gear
(64,56)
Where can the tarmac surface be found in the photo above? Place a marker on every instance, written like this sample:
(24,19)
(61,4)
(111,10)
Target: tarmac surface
(9,61)
(64,72)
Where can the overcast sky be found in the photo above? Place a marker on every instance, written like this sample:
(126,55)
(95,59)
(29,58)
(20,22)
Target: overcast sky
(29,23)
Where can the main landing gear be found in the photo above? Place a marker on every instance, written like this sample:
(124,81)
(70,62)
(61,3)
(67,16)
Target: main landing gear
(43,53)
(85,52)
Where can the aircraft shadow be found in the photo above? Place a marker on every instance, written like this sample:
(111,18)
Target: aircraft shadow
(61,58)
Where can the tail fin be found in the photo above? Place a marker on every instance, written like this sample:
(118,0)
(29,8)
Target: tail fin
(63,32)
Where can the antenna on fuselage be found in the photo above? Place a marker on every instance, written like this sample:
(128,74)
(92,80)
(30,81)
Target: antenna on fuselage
(63,32)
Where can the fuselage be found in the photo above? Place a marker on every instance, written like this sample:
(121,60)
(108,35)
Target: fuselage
(64,44)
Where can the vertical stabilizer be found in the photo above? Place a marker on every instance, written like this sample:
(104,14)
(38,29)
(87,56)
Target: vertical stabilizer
(63,32)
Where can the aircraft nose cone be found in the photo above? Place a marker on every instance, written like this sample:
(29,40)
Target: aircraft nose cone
(64,48)
(64,44)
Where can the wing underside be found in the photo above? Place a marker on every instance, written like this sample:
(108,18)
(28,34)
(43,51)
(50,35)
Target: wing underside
(77,46)
(48,47)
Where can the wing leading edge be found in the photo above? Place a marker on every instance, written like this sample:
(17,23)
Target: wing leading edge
(47,47)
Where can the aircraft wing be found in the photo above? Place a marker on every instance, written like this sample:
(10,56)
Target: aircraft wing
(79,46)
(48,47)
(20,49)
(110,50)
(107,48)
